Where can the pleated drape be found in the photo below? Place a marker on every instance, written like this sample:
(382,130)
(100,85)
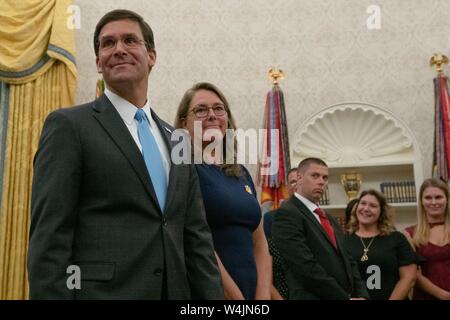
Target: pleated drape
(30,101)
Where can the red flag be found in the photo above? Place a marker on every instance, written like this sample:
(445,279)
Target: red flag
(441,156)
(274,161)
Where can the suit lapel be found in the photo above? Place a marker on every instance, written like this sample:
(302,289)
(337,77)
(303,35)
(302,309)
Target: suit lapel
(110,120)
(309,215)
(339,239)
(174,173)
(341,250)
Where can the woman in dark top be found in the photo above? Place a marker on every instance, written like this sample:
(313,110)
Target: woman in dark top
(430,237)
(385,259)
(231,206)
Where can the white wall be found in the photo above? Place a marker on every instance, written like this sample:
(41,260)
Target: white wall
(324,46)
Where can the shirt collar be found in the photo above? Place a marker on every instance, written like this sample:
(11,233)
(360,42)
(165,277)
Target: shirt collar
(308,203)
(126,109)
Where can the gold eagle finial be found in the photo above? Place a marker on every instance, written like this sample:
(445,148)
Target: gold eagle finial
(438,60)
(275,75)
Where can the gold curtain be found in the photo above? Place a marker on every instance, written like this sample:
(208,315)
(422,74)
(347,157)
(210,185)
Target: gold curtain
(38,84)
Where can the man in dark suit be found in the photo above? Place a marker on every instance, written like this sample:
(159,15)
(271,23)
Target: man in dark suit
(100,208)
(279,289)
(311,242)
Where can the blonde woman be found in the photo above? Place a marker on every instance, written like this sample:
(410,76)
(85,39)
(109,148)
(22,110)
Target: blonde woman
(430,237)
(386,262)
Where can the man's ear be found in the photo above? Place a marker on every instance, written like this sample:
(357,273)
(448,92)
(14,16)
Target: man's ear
(183,123)
(152,58)
(99,67)
(299,176)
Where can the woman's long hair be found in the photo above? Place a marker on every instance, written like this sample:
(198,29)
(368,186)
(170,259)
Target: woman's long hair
(422,229)
(385,220)
(233,169)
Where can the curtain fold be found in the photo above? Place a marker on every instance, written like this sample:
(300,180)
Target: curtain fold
(34,34)
(4,107)
(38,84)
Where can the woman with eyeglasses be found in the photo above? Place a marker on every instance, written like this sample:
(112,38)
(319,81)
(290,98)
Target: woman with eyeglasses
(229,196)
(386,262)
(430,237)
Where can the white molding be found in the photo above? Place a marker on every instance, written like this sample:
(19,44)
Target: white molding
(342,135)
(354,134)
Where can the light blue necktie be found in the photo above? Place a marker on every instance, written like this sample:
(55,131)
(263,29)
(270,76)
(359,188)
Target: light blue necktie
(152,157)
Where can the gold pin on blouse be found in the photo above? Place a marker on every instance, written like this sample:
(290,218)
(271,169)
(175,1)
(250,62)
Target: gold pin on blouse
(248,189)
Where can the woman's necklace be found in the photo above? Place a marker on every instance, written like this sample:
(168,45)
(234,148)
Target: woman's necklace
(434,224)
(365,257)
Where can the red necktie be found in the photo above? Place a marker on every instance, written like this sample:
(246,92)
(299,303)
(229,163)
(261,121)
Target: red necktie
(326,225)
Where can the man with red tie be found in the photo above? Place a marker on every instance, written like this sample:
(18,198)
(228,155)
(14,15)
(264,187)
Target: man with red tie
(318,266)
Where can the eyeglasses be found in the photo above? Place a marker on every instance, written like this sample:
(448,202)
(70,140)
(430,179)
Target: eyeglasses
(129,41)
(202,110)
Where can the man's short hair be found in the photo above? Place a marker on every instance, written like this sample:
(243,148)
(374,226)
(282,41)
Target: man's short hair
(292,170)
(306,162)
(122,14)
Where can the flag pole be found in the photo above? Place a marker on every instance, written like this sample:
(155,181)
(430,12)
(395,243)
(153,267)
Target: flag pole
(441,143)
(274,158)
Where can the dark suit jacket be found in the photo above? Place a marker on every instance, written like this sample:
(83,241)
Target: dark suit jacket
(314,268)
(93,205)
